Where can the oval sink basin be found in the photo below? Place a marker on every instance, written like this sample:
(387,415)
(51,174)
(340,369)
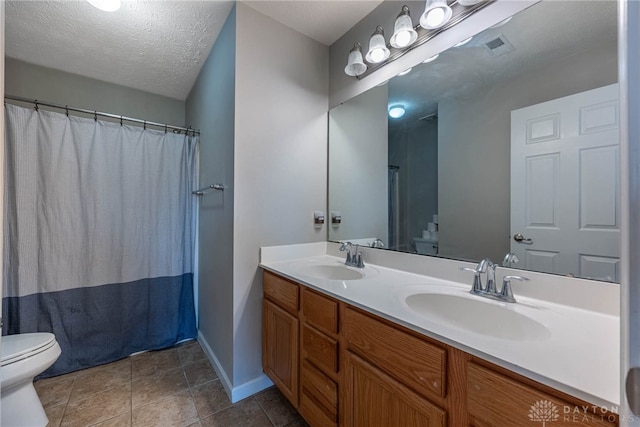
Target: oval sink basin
(477,315)
(332,272)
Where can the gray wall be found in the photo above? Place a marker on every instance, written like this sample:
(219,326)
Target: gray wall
(211,107)
(280,172)
(46,84)
(474,152)
(414,148)
(358,166)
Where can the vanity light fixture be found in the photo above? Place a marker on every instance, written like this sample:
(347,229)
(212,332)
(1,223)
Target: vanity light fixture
(355,64)
(378,51)
(396,111)
(436,14)
(431,58)
(106,5)
(403,33)
(463,42)
(405,72)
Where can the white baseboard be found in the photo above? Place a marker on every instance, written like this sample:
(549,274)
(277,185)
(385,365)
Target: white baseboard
(235,393)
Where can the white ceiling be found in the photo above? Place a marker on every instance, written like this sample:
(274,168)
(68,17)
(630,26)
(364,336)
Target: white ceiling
(155,46)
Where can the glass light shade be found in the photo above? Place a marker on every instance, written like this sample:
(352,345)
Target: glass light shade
(501,23)
(431,58)
(403,33)
(468,2)
(378,51)
(106,5)
(405,72)
(436,14)
(355,64)
(463,42)
(396,111)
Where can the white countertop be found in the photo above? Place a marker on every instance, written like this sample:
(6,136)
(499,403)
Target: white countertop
(580,356)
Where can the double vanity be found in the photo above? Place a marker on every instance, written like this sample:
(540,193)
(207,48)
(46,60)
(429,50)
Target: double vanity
(401,341)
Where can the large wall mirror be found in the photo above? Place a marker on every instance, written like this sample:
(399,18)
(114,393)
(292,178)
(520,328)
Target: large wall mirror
(508,144)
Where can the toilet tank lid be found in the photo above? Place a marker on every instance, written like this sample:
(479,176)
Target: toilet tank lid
(14,346)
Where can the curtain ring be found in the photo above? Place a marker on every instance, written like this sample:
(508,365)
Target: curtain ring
(144,125)
(165,128)
(35,105)
(66,110)
(120,120)
(95,116)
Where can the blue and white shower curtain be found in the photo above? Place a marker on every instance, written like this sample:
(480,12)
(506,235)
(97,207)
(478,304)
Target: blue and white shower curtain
(99,235)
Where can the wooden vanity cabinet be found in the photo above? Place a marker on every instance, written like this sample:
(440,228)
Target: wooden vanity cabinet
(497,397)
(319,352)
(280,334)
(341,365)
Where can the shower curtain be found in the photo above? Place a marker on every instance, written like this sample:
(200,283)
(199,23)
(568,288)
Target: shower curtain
(99,233)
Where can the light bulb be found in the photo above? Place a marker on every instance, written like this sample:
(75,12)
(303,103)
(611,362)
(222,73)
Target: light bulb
(435,17)
(436,14)
(377,55)
(403,32)
(378,51)
(463,42)
(396,111)
(403,38)
(431,58)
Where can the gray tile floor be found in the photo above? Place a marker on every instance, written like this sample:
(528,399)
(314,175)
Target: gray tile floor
(166,388)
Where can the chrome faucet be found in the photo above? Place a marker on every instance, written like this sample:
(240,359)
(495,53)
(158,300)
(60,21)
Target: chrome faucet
(487,267)
(377,243)
(509,259)
(354,256)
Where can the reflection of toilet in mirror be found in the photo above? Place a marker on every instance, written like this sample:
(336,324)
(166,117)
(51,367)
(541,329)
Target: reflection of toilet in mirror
(425,246)
(23,357)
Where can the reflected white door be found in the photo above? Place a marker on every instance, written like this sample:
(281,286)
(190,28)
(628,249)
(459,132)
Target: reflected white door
(565,213)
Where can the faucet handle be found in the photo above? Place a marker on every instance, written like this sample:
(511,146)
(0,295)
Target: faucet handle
(506,294)
(476,288)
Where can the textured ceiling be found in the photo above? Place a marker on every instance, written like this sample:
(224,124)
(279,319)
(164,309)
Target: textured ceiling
(155,46)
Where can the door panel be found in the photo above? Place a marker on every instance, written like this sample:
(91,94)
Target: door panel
(565,184)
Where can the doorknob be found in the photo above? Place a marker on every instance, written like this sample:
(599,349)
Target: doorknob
(520,239)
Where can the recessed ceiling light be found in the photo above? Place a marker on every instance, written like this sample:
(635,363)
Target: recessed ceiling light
(407,71)
(431,58)
(106,5)
(463,42)
(396,111)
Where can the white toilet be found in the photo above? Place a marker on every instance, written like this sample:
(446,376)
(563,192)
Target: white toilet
(23,357)
(426,246)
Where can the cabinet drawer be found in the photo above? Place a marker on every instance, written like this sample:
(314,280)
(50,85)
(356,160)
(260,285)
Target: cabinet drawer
(320,349)
(318,396)
(416,363)
(281,291)
(496,400)
(320,311)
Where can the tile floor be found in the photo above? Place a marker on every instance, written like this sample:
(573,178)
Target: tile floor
(166,388)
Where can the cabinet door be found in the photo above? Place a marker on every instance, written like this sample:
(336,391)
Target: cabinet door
(280,349)
(374,399)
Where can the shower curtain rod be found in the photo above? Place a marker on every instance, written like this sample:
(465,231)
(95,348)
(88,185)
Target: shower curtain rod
(95,114)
